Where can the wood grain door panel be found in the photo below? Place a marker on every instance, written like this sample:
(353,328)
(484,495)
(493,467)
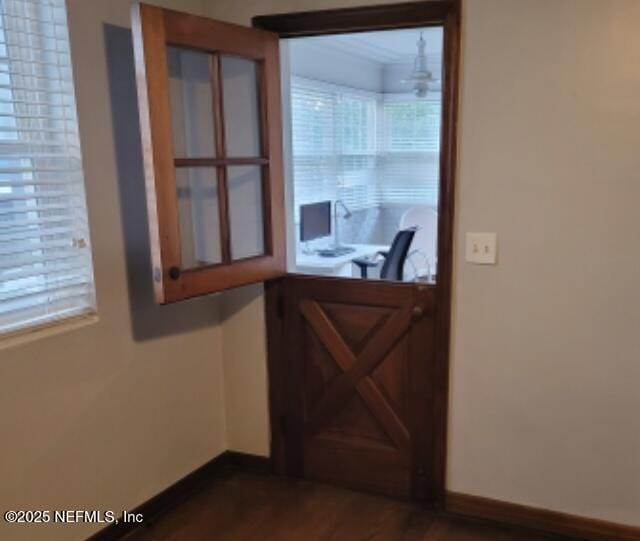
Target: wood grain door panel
(356,388)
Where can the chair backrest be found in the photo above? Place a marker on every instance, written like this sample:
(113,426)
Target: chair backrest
(392,268)
(425,218)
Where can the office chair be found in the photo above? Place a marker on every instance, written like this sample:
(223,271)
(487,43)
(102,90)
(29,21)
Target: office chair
(394,259)
(423,255)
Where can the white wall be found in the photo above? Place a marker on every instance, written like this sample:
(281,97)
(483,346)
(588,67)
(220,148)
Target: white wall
(545,367)
(245,370)
(108,415)
(545,347)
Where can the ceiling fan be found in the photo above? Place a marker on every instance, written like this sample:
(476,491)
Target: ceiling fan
(421,78)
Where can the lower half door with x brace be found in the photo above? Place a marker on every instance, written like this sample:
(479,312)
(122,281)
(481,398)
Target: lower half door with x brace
(358,395)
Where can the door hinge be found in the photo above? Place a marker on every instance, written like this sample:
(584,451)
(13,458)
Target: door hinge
(280,307)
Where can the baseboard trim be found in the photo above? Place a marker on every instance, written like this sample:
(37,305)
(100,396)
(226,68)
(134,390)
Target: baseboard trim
(249,463)
(538,519)
(222,465)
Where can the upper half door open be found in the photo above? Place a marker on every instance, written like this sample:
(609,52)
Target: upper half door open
(209,99)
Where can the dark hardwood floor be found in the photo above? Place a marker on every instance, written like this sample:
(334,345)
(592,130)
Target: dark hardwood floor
(244,506)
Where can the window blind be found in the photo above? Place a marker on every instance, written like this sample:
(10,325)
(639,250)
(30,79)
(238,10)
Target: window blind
(45,261)
(412,124)
(334,144)
(410,154)
(364,148)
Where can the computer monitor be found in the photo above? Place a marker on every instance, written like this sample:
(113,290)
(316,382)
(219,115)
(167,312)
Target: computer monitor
(315,220)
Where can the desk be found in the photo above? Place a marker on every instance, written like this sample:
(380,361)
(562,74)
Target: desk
(336,266)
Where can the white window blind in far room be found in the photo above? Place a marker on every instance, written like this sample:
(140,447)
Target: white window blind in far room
(410,150)
(334,144)
(45,261)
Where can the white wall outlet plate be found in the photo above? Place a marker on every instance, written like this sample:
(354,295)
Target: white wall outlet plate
(481,248)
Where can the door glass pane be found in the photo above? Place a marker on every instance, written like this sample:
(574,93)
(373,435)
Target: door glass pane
(246,213)
(191,103)
(241,106)
(199,220)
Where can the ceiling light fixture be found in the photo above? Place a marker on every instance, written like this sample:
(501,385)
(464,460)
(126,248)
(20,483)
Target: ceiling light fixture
(420,76)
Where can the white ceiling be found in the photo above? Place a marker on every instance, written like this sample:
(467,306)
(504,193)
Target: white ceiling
(386,47)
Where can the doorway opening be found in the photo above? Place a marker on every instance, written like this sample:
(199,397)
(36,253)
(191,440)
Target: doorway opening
(358,368)
(363,115)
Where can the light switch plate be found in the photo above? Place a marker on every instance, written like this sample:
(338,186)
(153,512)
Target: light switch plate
(482,248)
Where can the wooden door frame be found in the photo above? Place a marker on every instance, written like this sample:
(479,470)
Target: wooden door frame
(445,13)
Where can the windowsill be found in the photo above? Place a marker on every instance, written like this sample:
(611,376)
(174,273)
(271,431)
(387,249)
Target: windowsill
(46,330)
